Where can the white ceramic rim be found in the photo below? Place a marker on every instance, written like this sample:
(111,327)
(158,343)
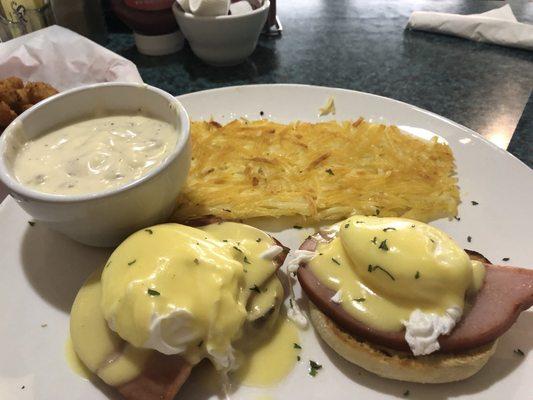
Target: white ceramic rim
(14,185)
(179,10)
(416,108)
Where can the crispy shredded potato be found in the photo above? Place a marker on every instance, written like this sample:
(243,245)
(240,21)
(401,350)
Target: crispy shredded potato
(323,171)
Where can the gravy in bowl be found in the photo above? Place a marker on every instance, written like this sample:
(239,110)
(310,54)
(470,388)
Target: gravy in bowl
(94,155)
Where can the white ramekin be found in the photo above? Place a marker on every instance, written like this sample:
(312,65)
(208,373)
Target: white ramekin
(102,218)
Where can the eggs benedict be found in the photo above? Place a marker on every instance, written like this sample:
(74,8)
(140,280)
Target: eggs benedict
(172,295)
(401,299)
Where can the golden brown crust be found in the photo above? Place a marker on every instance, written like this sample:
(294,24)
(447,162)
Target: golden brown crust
(388,363)
(15,97)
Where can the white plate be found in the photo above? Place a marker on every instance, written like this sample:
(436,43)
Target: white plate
(40,271)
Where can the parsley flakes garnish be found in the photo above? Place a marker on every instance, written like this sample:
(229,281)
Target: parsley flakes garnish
(236,248)
(258,240)
(417,275)
(31,223)
(474,203)
(383,246)
(505,259)
(196,261)
(132,262)
(330,171)
(313,368)
(255,288)
(519,352)
(246,260)
(469,239)
(374,240)
(335,261)
(151,232)
(298,358)
(372,268)
(406,393)
(152,292)
(346,226)
(360,299)
(297,227)
(389,229)
(296,346)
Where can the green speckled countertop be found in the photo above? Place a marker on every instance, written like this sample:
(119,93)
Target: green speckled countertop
(362,45)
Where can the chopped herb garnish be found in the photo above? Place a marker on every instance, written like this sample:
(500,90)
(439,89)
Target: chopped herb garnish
(432,241)
(225,240)
(383,246)
(320,254)
(360,299)
(519,352)
(417,275)
(313,368)
(255,288)
(236,248)
(330,171)
(151,232)
(335,261)
(31,223)
(359,222)
(132,262)
(474,203)
(296,346)
(374,240)
(23,387)
(261,113)
(107,265)
(406,393)
(389,229)
(225,209)
(44,325)
(196,261)
(246,260)
(469,239)
(346,226)
(298,358)
(457,218)
(372,268)
(290,303)
(412,226)
(153,292)
(258,240)
(201,343)
(505,259)
(297,227)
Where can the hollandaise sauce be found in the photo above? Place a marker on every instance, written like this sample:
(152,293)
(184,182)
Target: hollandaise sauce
(196,292)
(267,363)
(382,269)
(74,362)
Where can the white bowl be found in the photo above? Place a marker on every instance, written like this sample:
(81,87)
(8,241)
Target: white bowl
(102,218)
(223,40)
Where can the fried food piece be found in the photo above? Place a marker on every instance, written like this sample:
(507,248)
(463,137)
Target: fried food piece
(38,91)
(15,97)
(6,115)
(14,82)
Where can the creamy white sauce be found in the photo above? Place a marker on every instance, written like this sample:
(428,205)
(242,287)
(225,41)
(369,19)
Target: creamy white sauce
(94,155)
